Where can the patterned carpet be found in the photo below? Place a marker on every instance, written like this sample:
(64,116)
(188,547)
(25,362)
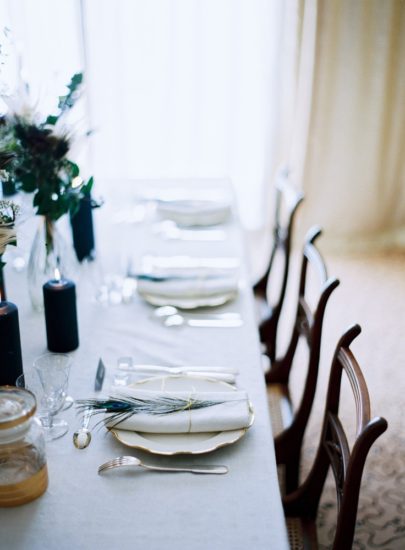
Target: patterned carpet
(372,293)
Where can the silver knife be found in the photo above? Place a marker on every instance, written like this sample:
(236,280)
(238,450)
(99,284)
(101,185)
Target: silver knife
(98,382)
(178,370)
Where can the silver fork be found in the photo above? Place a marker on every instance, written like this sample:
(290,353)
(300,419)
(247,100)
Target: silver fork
(134,461)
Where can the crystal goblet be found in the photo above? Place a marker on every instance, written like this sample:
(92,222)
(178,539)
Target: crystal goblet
(48,380)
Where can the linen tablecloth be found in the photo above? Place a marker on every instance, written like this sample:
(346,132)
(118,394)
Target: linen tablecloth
(82,510)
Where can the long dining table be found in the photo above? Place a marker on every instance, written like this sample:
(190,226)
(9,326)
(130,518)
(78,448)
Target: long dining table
(84,510)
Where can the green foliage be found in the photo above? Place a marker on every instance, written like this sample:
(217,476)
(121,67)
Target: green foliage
(5,158)
(39,162)
(68,101)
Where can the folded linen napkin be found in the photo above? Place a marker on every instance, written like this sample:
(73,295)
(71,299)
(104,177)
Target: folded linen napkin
(189,212)
(196,411)
(188,283)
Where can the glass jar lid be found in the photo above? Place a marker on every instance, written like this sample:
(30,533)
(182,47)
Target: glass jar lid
(17,405)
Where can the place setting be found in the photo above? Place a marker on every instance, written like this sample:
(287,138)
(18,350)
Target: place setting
(165,410)
(186,282)
(191,215)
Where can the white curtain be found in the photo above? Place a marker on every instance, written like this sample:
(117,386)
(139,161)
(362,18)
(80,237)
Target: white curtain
(343,121)
(175,88)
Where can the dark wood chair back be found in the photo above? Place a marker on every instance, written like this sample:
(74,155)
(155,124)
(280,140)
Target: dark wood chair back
(334,451)
(308,327)
(269,288)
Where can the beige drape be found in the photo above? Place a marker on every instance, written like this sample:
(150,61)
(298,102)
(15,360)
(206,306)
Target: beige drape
(342,117)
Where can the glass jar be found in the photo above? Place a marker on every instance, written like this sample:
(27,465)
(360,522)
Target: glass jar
(23,470)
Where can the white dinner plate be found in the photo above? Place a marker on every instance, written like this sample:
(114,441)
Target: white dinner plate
(190,302)
(191,443)
(194,212)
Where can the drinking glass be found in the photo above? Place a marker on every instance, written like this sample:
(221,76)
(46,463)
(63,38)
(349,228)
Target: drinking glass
(48,380)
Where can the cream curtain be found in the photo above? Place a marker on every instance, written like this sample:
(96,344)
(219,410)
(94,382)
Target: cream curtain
(342,117)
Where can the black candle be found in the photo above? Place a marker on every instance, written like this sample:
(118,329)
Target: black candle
(10,344)
(8,188)
(60,315)
(3,296)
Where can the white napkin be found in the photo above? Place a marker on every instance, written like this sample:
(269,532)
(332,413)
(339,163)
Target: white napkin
(231,413)
(189,212)
(203,284)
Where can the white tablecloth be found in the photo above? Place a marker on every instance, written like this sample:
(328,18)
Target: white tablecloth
(82,510)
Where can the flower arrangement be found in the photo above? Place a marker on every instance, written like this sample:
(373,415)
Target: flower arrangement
(8,214)
(8,210)
(40,164)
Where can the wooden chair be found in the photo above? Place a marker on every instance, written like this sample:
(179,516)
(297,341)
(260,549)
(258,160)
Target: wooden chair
(347,465)
(268,292)
(289,425)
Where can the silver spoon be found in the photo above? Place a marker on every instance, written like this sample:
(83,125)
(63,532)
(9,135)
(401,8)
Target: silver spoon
(167,311)
(134,461)
(82,436)
(179,320)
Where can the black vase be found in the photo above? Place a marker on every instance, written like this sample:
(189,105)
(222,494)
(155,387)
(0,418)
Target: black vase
(82,230)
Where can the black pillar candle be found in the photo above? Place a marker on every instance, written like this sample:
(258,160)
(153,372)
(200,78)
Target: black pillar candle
(60,315)
(2,283)
(82,229)
(10,344)
(8,188)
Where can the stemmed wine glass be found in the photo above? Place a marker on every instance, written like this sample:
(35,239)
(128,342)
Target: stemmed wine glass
(48,380)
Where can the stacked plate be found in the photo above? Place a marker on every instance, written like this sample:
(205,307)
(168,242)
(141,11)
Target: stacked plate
(187,282)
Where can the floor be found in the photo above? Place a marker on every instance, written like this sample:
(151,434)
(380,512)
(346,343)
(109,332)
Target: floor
(371,293)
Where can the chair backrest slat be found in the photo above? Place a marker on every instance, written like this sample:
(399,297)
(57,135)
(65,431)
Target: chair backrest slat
(358,384)
(337,448)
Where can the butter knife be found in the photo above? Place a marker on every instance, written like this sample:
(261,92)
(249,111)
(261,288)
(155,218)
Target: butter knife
(100,374)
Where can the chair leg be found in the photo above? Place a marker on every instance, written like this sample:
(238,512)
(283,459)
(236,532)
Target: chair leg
(291,476)
(267,332)
(288,455)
